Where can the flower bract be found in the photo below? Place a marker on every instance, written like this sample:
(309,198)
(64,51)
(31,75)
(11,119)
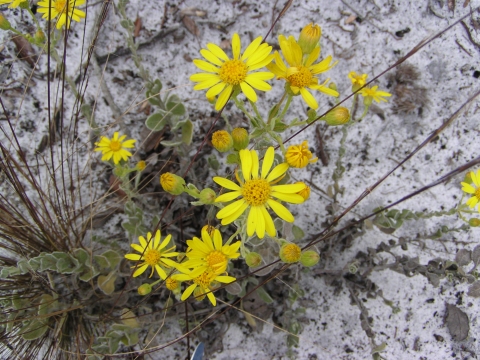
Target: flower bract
(222,75)
(154,254)
(115,147)
(258,193)
(301,72)
(473,190)
(66,10)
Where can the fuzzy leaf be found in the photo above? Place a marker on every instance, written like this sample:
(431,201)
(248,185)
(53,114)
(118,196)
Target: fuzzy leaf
(457,323)
(476,255)
(47,304)
(88,274)
(129,319)
(463,257)
(106,283)
(82,256)
(102,261)
(34,330)
(187,132)
(175,106)
(156,122)
(113,257)
(233,158)
(264,295)
(474,289)
(171,143)
(298,233)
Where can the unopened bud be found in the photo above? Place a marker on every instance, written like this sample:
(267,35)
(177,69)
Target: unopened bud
(240,138)
(309,38)
(173,184)
(338,116)
(144,289)
(253,259)
(222,140)
(141,165)
(309,258)
(290,253)
(468,177)
(305,193)
(39,37)
(172,284)
(474,222)
(207,196)
(4,23)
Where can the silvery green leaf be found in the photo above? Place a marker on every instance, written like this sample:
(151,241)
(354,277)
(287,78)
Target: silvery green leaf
(187,132)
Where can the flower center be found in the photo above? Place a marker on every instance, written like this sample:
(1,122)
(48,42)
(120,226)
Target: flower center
(291,252)
(217,261)
(256,192)
(205,279)
(115,145)
(60,5)
(233,72)
(302,78)
(477,193)
(152,257)
(171,284)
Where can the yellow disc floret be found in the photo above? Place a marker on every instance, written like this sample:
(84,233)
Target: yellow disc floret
(216,259)
(302,78)
(290,253)
(233,72)
(152,257)
(256,192)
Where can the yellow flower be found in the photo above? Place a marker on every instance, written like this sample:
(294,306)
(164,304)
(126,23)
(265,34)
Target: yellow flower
(115,147)
(172,284)
(154,254)
(222,140)
(141,165)
(290,253)
(309,37)
(370,94)
(224,75)
(299,156)
(357,80)
(210,252)
(205,281)
(171,183)
(473,190)
(65,11)
(301,73)
(257,194)
(13,3)
(305,193)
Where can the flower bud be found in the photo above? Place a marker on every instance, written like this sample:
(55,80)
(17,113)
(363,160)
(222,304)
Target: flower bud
(207,196)
(305,193)
(24,5)
(39,37)
(141,165)
(309,38)
(222,140)
(144,289)
(173,184)
(474,222)
(240,138)
(309,258)
(468,177)
(253,259)
(4,23)
(290,253)
(338,116)
(172,284)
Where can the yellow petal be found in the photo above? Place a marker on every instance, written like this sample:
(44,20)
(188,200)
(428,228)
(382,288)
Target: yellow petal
(260,228)
(277,171)
(267,162)
(217,51)
(217,239)
(269,225)
(215,90)
(227,220)
(230,209)
(252,221)
(251,48)
(205,66)
(227,184)
(188,291)
(212,298)
(255,164)
(134,257)
(288,189)
(228,196)
(161,272)
(165,242)
(291,198)
(236,46)
(248,91)
(211,57)
(312,57)
(223,98)
(140,270)
(206,84)
(257,84)
(469,189)
(281,210)
(143,242)
(309,99)
(246,161)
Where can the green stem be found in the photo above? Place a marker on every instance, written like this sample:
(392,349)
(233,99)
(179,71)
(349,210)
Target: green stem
(33,16)
(287,105)
(241,107)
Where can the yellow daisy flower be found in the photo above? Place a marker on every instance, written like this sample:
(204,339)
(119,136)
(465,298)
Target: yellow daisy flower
(13,3)
(115,147)
(65,11)
(473,190)
(224,75)
(203,283)
(154,254)
(357,80)
(210,252)
(372,93)
(299,156)
(257,192)
(301,72)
